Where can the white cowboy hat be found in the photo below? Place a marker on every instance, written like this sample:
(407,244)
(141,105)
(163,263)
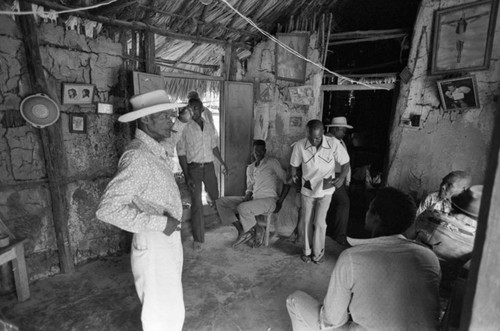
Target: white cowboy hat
(149,103)
(39,110)
(469,201)
(339,121)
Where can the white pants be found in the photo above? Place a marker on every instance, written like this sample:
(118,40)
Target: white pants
(227,207)
(157,267)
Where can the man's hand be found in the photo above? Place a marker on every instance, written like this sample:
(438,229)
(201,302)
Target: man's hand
(225,170)
(247,197)
(337,182)
(172,224)
(190,183)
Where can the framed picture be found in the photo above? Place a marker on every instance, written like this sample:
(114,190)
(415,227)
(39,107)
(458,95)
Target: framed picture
(463,37)
(77,123)
(77,94)
(458,93)
(289,66)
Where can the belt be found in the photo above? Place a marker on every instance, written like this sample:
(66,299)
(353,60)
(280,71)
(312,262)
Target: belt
(196,164)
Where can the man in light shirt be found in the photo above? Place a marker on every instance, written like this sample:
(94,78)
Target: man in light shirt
(197,149)
(384,283)
(143,198)
(317,154)
(265,177)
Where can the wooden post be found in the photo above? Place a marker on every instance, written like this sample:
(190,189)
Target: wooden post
(52,142)
(150,52)
(226,69)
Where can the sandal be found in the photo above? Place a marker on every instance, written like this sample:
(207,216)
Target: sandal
(306,258)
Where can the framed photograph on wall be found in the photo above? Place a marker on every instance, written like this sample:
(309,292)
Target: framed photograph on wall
(458,93)
(463,37)
(77,123)
(77,94)
(289,66)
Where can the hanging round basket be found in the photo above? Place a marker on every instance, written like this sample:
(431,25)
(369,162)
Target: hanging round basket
(39,110)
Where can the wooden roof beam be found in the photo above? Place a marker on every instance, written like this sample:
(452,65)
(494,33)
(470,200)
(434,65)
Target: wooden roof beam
(367,34)
(368,39)
(137,25)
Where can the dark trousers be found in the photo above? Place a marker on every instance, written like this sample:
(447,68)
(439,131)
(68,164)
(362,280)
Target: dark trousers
(201,173)
(338,214)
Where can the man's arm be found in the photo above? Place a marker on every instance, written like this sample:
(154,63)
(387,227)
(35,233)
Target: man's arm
(216,153)
(250,184)
(284,192)
(344,170)
(185,171)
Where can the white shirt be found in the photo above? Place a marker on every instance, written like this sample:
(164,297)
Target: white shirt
(384,283)
(265,180)
(318,163)
(338,166)
(196,144)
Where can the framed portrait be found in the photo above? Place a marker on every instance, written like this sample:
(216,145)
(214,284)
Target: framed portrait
(77,94)
(289,66)
(463,37)
(458,93)
(77,123)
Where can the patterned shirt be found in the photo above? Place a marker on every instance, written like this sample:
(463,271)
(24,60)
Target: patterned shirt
(143,187)
(384,283)
(265,180)
(434,202)
(196,144)
(318,164)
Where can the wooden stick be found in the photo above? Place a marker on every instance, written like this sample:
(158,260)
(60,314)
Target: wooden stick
(327,38)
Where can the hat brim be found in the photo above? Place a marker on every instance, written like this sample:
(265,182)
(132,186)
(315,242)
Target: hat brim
(340,125)
(133,115)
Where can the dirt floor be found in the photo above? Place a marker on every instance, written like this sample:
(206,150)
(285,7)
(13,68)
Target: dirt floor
(225,288)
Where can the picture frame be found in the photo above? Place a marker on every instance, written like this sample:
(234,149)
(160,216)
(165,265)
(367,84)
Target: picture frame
(77,94)
(77,123)
(463,37)
(289,67)
(458,93)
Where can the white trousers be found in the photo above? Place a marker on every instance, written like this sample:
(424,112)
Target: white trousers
(227,207)
(157,267)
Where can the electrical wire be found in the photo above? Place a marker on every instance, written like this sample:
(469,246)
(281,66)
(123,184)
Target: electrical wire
(294,52)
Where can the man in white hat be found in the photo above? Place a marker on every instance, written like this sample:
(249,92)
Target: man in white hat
(143,198)
(338,214)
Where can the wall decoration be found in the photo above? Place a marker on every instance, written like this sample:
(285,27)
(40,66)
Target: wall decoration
(289,66)
(458,93)
(104,108)
(261,116)
(295,122)
(463,37)
(302,95)
(266,92)
(77,94)
(77,123)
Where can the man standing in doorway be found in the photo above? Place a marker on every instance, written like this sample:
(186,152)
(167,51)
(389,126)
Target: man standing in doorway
(197,149)
(317,154)
(143,198)
(338,214)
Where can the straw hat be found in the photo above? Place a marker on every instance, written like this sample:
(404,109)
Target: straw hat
(149,103)
(39,110)
(339,121)
(469,201)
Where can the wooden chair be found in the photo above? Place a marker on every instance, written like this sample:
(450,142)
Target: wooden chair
(15,252)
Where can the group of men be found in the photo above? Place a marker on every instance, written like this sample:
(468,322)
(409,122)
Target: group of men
(143,198)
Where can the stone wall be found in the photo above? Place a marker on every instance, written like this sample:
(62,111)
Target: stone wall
(91,157)
(261,68)
(446,140)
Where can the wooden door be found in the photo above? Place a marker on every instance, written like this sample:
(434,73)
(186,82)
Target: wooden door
(237,135)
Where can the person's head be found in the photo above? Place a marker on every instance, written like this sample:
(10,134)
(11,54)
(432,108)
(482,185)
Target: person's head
(338,127)
(391,212)
(453,184)
(193,95)
(72,93)
(196,107)
(86,92)
(154,112)
(451,87)
(315,132)
(259,149)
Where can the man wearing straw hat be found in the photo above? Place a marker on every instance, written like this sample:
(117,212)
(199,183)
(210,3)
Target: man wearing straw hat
(338,215)
(143,198)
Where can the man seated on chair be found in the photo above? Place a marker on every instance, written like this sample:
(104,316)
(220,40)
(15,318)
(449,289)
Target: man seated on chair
(384,283)
(264,179)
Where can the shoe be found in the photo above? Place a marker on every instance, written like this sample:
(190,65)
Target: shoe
(259,236)
(319,260)
(306,258)
(244,238)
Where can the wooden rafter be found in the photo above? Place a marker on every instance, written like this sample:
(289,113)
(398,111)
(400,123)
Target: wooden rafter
(201,65)
(186,53)
(367,34)
(137,25)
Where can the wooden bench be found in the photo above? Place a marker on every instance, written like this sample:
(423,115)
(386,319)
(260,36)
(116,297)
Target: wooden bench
(15,252)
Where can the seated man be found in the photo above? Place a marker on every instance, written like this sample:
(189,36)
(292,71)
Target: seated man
(451,236)
(264,177)
(383,283)
(453,184)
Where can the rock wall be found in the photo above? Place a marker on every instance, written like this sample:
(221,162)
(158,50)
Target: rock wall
(279,120)
(445,140)
(91,157)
